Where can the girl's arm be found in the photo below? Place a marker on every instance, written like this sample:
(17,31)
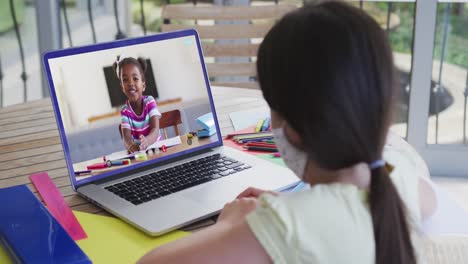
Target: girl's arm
(220,243)
(128,141)
(153,134)
(230,240)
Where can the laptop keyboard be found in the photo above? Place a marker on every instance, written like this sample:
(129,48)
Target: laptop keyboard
(158,184)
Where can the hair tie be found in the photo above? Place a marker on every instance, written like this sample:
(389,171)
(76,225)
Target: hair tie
(376,164)
(119,59)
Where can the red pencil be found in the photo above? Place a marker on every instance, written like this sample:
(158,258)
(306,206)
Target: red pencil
(261,144)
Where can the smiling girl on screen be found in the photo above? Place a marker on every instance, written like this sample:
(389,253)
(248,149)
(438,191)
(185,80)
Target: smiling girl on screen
(140,116)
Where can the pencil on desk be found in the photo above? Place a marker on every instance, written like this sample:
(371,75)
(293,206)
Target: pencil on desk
(240,134)
(258,128)
(266,124)
(267,149)
(261,144)
(253,135)
(253,140)
(82,173)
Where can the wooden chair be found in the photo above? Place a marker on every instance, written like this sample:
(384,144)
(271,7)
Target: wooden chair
(259,21)
(168,119)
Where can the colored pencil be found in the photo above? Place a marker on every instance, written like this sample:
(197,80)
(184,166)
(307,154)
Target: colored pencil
(261,144)
(262,149)
(260,122)
(251,136)
(252,140)
(240,134)
(266,124)
(79,173)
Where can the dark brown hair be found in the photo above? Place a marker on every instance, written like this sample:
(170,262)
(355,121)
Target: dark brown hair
(328,70)
(139,62)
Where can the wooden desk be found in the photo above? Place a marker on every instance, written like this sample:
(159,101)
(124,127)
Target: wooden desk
(30,143)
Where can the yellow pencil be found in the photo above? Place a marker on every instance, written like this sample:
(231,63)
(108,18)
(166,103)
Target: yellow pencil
(258,128)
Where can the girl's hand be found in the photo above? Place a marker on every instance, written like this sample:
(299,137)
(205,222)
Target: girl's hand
(144,142)
(254,193)
(133,148)
(236,211)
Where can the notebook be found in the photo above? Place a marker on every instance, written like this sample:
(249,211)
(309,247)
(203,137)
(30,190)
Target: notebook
(30,234)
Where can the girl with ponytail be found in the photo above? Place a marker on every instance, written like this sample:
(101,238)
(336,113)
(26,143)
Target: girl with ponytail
(327,73)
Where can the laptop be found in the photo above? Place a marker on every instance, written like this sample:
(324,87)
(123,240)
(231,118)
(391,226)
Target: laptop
(182,177)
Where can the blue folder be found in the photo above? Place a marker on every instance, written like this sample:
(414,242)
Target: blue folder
(30,234)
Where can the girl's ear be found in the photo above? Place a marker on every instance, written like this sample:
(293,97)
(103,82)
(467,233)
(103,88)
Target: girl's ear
(144,86)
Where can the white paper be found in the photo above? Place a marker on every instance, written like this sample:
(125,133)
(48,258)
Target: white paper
(244,119)
(166,142)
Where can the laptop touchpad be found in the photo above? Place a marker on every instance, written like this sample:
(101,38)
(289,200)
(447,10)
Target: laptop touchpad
(218,193)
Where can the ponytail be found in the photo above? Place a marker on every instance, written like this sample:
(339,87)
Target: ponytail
(391,231)
(114,68)
(121,61)
(143,64)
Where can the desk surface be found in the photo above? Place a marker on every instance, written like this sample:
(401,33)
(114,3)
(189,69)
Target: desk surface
(30,143)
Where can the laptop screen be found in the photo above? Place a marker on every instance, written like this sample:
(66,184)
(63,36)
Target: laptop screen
(127,104)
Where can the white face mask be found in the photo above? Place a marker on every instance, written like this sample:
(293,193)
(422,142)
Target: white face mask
(294,158)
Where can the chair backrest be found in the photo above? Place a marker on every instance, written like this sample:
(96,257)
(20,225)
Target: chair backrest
(170,119)
(257,22)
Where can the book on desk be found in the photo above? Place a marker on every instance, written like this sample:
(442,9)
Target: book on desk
(30,234)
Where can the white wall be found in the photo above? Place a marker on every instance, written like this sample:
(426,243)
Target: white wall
(82,89)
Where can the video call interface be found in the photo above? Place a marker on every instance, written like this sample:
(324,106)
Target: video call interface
(130,105)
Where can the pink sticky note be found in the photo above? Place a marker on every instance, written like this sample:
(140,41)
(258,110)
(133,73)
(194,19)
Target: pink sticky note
(57,206)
